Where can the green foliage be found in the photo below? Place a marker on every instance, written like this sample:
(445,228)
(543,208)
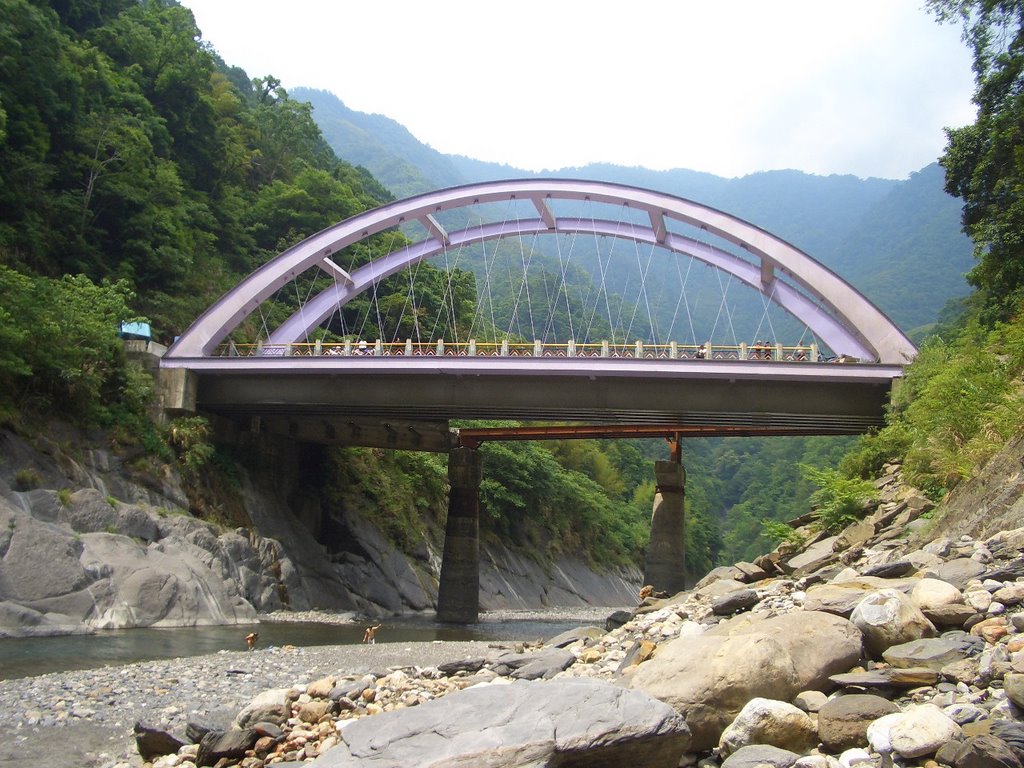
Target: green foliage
(777,532)
(402,492)
(958,404)
(64,496)
(62,350)
(190,437)
(983,162)
(838,500)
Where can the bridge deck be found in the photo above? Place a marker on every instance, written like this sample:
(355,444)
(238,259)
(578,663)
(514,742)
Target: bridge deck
(828,398)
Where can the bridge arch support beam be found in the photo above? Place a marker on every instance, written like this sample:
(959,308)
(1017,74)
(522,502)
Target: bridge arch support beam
(844,319)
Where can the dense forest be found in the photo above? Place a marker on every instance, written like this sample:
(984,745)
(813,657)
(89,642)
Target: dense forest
(141,176)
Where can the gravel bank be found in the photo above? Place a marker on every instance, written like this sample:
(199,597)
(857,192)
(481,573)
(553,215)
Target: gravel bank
(85,718)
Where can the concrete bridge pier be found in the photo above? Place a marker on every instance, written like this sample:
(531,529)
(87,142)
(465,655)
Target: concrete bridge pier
(665,564)
(458,595)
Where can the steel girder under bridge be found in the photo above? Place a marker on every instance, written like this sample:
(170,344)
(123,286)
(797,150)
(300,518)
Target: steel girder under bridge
(804,395)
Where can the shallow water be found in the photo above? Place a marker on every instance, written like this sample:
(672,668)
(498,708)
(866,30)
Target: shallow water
(22,657)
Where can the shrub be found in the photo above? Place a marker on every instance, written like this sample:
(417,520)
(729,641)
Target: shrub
(777,532)
(839,500)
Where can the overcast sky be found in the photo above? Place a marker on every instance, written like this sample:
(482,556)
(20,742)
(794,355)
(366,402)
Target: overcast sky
(730,87)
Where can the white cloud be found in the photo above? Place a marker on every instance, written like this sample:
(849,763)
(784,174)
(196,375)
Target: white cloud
(729,87)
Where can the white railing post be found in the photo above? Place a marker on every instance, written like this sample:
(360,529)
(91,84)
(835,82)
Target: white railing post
(570,348)
(604,348)
(814,352)
(504,347)
(537,349)
(673,350)
(378,348)
(472,348)
(318,347)
(408,347)
(639,352)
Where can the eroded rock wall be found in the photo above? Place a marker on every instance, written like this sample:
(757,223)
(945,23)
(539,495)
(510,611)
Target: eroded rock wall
(95,544)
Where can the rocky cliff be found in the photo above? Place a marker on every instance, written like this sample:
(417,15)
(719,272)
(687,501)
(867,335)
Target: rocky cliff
(89,541)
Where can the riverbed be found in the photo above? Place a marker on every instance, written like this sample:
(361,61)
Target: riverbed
(22,657)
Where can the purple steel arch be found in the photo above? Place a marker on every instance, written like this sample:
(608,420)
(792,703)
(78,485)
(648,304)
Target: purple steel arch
(836,312)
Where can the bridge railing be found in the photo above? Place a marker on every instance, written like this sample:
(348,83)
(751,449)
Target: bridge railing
(637,350)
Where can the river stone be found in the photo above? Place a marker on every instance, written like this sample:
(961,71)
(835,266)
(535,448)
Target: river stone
(321,689)
(843,721)
(935,593)
(734,602)
(312,711)
(917,731)
(153,742)
(709,678)
(751,573)
(888,678)
(274,706)
(888,617)
(959,571)
(841,595)
(561,722)
(930,652)
(890,570)
(545,663)
(810,701)
(230,744)
(1011,594)
(574,635)
(1013,684)
(766,721)
(730,572)
(760,756)
(985,752)
(814,557)
(949,615)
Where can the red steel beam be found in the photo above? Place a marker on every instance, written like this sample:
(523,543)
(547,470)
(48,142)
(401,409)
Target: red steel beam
(473,437)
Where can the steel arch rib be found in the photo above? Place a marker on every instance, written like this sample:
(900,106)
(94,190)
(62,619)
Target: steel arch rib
(853,325)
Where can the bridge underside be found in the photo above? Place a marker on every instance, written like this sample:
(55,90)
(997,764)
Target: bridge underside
(814,398)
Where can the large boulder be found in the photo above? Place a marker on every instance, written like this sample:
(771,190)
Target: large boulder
(709,678)
(888,617)
(571,722)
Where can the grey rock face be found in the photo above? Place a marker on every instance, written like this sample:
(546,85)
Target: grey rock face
(565,723)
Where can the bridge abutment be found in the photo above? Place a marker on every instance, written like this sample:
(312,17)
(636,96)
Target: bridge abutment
(458,595)
(665,564)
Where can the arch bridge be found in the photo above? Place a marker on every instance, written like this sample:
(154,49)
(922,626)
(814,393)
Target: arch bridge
(402,392)
(289,375)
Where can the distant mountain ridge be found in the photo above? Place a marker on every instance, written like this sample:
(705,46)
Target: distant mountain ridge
(899,242)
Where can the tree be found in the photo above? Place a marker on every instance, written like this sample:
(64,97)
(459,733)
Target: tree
(983,162)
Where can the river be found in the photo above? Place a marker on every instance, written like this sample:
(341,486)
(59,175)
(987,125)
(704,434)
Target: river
(24,657)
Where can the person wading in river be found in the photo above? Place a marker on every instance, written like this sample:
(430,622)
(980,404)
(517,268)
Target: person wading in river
(370,635)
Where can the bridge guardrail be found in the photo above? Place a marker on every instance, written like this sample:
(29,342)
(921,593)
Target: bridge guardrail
(637,350)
